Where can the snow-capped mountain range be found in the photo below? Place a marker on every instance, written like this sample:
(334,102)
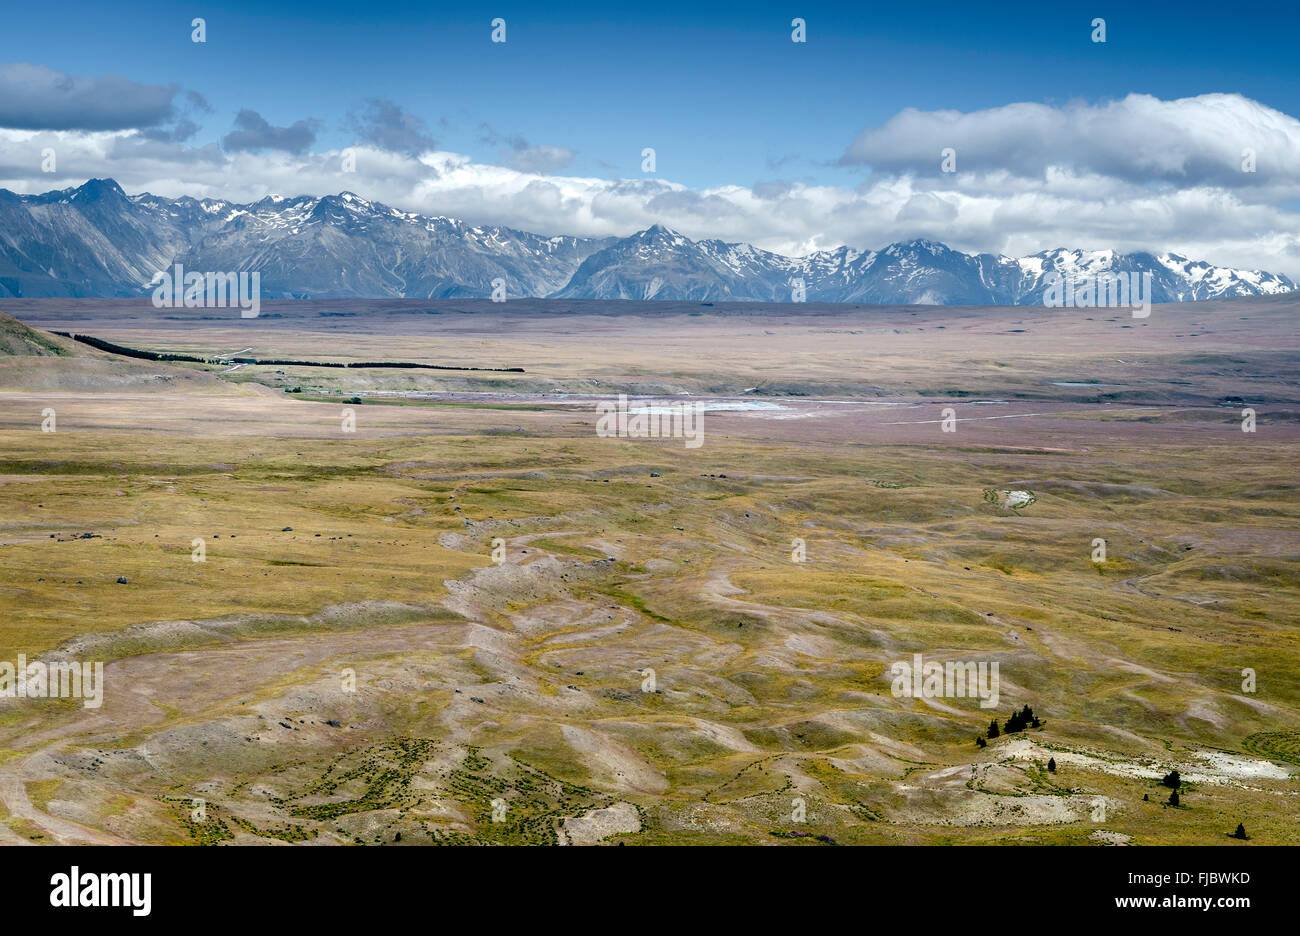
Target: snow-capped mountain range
(97,241)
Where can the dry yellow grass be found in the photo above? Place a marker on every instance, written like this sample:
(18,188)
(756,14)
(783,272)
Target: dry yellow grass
(526,682)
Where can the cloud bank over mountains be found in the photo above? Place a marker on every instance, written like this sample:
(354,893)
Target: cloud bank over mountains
(1132,174)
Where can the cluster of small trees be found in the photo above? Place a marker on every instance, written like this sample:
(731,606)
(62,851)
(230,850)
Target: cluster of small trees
(1017,721)
(1174,782)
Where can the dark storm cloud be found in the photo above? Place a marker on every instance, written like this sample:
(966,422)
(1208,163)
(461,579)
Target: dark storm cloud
(177,133)
(390,127)
(252,132)
(33,97)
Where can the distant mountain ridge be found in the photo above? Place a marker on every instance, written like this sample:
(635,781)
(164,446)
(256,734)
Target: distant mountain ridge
(97,241)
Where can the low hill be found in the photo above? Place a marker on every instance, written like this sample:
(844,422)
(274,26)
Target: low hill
(36,361)
(19,340)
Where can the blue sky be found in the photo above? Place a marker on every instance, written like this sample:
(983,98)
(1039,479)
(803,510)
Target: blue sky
(724,96)
(1138,143)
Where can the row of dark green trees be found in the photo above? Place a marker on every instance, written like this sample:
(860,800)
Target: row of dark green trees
(167,356)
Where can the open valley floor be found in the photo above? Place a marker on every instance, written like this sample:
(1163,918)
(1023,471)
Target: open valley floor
(400,607)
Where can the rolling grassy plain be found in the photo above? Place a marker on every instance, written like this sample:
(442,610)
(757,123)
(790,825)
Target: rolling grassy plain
(350,665)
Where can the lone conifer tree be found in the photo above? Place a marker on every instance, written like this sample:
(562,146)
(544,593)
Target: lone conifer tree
(1173,798)
(993,729)
(1051,765)
(980,742)
(1240,833)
